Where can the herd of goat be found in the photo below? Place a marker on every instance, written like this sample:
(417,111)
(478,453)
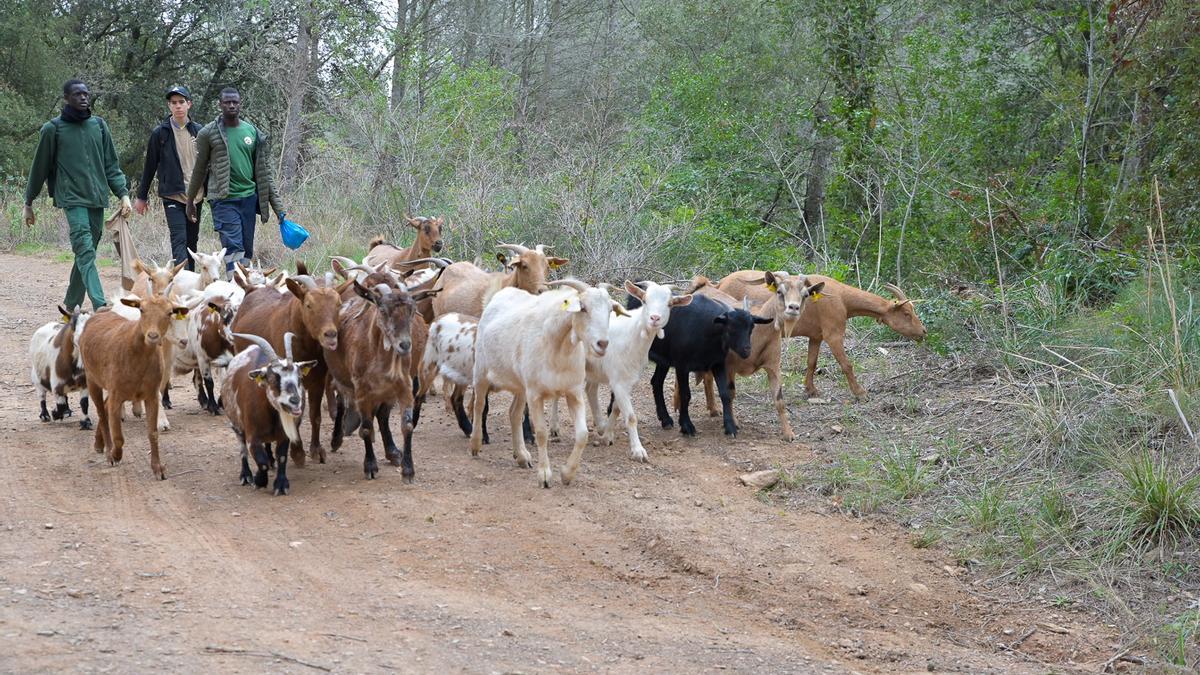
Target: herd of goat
(372,336)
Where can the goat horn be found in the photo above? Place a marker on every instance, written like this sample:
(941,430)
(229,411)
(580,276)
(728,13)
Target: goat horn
(542,248)
(746,303)
(515,248)
(307,281)
(442,263)
(287,345)
(572,283)
(895,290)
(382,289)
(261,343)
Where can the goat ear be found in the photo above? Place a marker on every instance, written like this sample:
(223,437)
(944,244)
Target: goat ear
(763,319)
(298,289)
(363,292)
(556,262)
(503,259)
(620,311)
(772,282)
(175,269)
(193,255)
(179,312)
(632,289)
(571,304)
(259,375)
(132,301)
(66,316)
(214,307)
(816,291)
(221,255)
(427,293)
(139,266)
(720,320)
(680,300)
(305,367)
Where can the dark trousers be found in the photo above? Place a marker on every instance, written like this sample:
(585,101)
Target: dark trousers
(184,233)
(233,219)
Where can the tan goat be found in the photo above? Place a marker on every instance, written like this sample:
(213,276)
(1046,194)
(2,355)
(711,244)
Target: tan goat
(825,320)
(466,288)
(122,357)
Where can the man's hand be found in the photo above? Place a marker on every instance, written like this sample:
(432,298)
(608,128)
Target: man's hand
(190,210)
(139,205)
(282,217)
(126,208)
(30,219)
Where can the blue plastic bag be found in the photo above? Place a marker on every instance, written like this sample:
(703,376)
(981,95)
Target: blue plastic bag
(293,234)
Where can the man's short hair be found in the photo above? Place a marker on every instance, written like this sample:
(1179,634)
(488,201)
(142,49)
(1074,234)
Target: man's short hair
(231,90)
(71,83)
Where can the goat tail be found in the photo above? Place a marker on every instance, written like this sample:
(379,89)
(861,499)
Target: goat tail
(376,241)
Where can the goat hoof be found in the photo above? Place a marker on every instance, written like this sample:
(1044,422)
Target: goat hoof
(668,424)
(281,488)
(260,478)
(44,417)
(85,424)
(407,477)
(166,403)
(370,469)
(317,452)
(689,430)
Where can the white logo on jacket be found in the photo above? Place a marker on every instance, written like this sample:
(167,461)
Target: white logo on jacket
(247,140)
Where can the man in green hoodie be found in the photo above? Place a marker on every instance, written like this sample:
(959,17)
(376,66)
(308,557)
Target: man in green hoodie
(76,158)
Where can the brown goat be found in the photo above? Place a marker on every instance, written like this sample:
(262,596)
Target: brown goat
(468,288)
(264,402)
(153,281)
(123,358)
(311,313)
(825,319)
(382,339)
(788,296)
(428,242)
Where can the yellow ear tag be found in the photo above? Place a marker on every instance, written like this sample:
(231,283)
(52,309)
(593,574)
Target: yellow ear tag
(815,296)
(566,304)
(66,319)
(213,310)
(772,288)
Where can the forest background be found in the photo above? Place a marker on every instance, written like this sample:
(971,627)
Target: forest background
(1026,168)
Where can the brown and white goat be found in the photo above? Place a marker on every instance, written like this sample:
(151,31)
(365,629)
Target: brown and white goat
(428,242)
(789,295)
(56,365)
(311,313)
(375,366)
(123,362)
(467,288)
(264,400)
(210,345)
(825,319)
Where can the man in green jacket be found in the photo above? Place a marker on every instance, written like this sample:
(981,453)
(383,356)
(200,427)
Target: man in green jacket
(77,159)
(233,164)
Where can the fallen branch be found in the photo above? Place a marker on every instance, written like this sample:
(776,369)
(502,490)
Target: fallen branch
(215,649)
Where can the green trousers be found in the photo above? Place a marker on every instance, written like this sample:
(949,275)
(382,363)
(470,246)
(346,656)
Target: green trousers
(87,227)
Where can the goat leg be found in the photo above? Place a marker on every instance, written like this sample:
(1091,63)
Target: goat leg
(460,413)
(315,394)
(418,399)
(166,397)
(685,398)
(660,403)
(526,428)
(281,459)
(44,415)
(339,421)
(722,379)
(262,457)
(367,433)
(245,476)
(383,417)
(86,423)
(406,464)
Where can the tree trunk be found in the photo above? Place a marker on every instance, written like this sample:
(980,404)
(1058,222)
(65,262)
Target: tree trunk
(298,87)
(474,24)
(813,213)
(547,76)
(400,58)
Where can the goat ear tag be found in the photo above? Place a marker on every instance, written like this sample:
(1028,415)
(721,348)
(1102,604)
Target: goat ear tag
(304,371)
(772,287)
(815,297)
(65,319)
(566,305)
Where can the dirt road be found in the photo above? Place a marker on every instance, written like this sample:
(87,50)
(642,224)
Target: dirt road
(670,566)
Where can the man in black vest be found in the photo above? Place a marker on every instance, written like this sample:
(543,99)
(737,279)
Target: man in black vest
(171,154)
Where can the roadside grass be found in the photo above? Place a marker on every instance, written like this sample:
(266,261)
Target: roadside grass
(1072,474)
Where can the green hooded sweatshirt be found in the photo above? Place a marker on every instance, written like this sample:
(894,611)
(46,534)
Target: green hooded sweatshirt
(79,163)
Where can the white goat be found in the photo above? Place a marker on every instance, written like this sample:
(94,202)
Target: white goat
(56,364)
(212,268)
(535,346)
(622,365)
(450,353)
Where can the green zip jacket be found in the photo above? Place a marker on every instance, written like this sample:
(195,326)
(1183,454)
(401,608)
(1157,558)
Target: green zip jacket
(78,163)
(212,165)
